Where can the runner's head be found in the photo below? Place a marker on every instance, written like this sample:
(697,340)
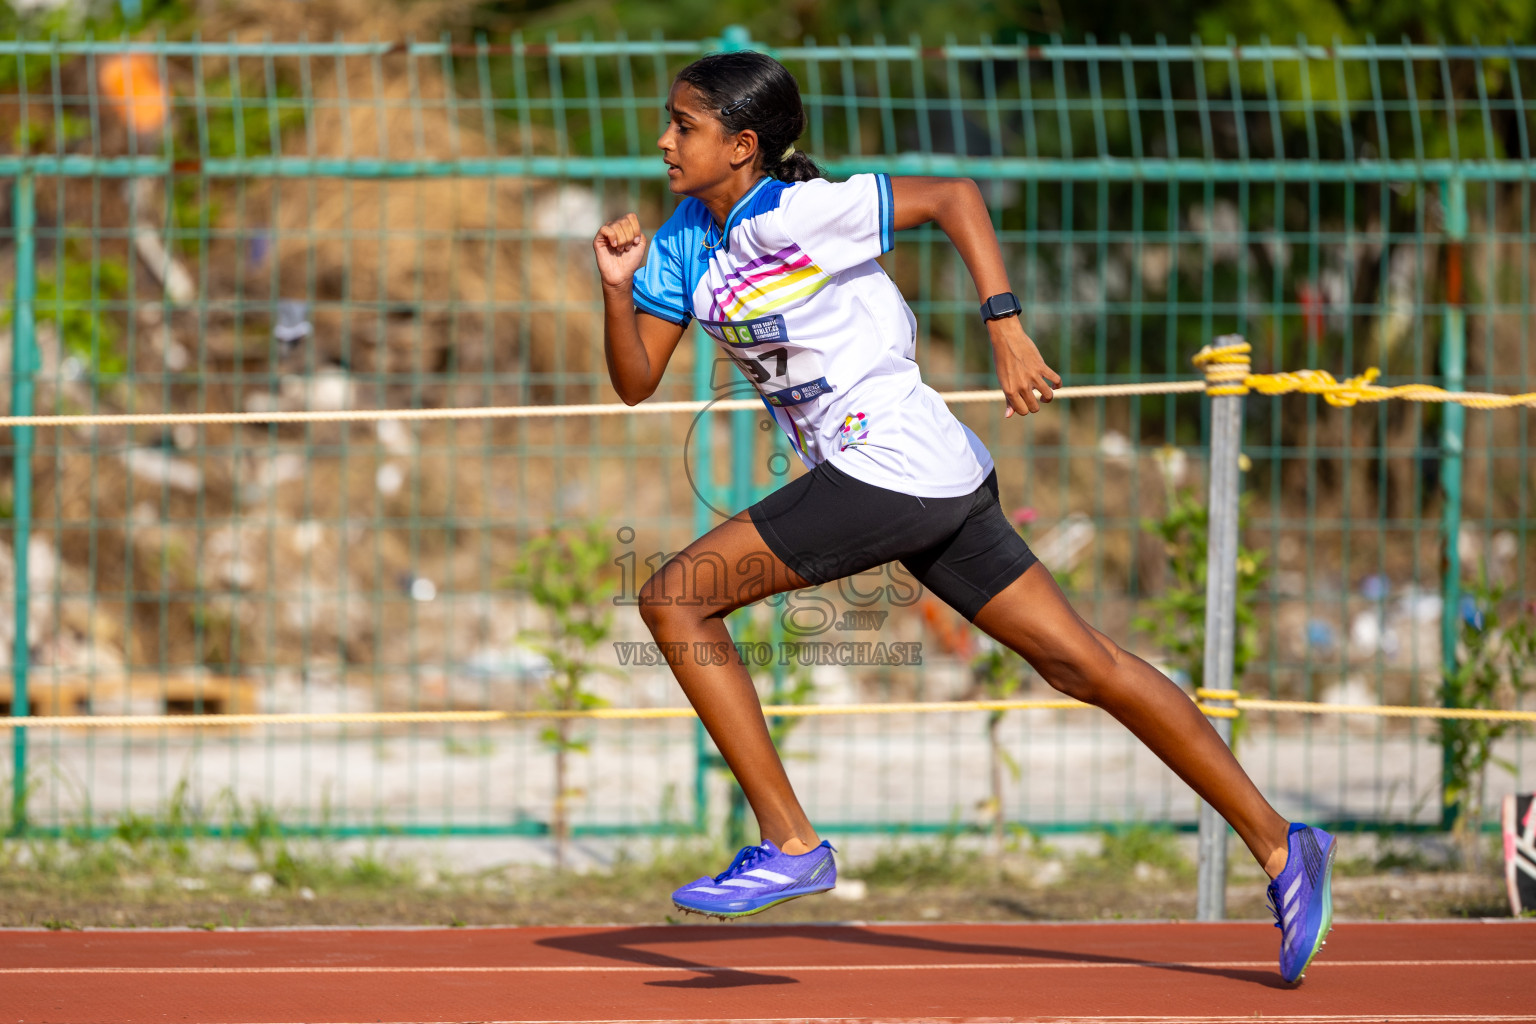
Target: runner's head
(734,110)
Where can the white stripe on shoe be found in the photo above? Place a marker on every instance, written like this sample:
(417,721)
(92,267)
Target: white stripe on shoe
(709,889)
(772,876)
(743,883)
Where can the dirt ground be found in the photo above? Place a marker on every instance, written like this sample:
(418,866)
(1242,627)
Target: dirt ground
(1408,897)
(1146,877)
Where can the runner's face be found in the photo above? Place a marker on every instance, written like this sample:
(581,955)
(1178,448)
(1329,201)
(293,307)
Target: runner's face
(696,147)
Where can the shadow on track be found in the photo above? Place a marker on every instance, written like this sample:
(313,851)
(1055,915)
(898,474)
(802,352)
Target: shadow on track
(638,946)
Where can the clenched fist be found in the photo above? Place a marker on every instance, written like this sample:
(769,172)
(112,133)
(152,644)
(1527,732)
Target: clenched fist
(620,248)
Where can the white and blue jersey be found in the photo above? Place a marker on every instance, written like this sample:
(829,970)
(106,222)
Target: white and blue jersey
(791,292)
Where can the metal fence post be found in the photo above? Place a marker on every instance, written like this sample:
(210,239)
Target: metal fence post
(704,483)
(1220,624)
(1453,366)
(23,367)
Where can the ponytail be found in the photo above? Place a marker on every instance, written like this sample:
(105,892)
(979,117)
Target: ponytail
(796,167)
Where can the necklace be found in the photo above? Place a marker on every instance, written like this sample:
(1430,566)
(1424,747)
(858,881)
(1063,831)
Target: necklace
(705,242)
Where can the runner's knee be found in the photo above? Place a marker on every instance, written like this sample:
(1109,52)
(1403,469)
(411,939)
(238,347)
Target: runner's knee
(672,599)
(1086,670)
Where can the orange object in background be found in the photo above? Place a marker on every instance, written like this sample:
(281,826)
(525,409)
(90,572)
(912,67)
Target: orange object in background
(950,629)
(131,83)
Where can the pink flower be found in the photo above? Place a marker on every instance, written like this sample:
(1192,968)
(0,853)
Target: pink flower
(1025,515)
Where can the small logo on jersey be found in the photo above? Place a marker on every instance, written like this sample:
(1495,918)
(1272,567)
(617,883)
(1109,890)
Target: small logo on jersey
(768,329)
(855,430)
(795,395)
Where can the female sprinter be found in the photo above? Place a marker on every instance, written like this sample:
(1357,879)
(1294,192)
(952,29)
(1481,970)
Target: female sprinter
(778,265)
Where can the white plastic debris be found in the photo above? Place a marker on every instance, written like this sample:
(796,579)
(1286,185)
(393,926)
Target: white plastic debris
(395,436)
(307,536)
(850,890)
(157,467)
(389,479)
(569,212)
(1115,446)
(167,269)
(1063,544)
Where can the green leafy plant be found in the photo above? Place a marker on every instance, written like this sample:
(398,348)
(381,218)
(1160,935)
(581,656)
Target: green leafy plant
(1140,843)
(48,134)
(1496,667)
(999,672)
(568,574)
(70,296)
(1176,623)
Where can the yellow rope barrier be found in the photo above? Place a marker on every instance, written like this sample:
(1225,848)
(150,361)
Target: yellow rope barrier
(772,711)
(1227,369)
(1228,372)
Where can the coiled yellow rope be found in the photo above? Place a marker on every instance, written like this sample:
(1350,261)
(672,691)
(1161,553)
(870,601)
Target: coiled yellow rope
(1228,372)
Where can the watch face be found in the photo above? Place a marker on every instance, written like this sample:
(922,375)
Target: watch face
(999,306)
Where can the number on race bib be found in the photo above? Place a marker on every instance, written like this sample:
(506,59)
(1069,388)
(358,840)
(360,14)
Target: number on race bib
(784,374)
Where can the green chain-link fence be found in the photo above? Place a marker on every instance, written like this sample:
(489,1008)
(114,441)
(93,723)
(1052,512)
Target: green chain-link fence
(280,226)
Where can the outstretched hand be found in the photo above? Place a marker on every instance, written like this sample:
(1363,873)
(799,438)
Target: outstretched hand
(1021,370)
(620,247)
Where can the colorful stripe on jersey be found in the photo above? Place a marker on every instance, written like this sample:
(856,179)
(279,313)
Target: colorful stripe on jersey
(769,283)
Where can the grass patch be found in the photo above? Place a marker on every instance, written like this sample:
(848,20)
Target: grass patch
(1137,852)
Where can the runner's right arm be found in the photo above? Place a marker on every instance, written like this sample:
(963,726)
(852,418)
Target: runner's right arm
(637,345)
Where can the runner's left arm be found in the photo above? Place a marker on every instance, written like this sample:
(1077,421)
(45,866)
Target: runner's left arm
(957,207)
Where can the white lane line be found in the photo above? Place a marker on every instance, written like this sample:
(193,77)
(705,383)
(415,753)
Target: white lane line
(751,968)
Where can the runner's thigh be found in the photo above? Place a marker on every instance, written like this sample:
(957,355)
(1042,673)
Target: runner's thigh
(978,559)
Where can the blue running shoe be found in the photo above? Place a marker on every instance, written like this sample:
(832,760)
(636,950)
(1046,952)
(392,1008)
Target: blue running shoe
(760,877)
(1302,898)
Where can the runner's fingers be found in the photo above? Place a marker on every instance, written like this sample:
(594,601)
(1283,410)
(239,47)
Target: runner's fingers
(620,234)
(1027,396)
(1043,386)
(629,228)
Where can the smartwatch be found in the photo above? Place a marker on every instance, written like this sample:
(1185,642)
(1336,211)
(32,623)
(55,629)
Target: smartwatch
(999,306)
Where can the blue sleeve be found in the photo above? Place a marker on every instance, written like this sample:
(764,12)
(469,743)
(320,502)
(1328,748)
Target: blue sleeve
(660,287)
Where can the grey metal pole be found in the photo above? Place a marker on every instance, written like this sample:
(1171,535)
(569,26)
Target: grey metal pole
(1220,625)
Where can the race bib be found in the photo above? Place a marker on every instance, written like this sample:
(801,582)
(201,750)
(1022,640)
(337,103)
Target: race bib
(783,373)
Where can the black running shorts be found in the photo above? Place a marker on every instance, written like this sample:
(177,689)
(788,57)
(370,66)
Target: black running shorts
(826,525)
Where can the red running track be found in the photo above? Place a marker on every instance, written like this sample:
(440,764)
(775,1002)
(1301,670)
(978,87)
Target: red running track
(717,973)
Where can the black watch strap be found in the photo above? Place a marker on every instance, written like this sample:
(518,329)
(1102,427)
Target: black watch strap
(999,306)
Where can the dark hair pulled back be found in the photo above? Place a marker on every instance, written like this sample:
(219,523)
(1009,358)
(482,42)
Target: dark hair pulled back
(746,90)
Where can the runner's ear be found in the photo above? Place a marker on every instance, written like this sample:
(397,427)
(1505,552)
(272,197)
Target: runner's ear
(746,148)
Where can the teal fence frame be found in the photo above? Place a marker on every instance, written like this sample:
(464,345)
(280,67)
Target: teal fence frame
(1455,144)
